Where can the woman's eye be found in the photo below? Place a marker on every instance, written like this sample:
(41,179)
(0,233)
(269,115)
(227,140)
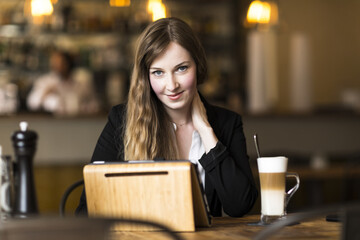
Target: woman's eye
(182,68)
(157,73)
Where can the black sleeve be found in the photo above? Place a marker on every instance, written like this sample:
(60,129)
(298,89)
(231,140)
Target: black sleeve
(228,172)
(108,147)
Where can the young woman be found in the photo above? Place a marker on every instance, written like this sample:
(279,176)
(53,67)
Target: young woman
(166,118)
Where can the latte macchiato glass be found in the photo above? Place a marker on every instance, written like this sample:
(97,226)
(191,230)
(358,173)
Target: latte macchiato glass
(274,199)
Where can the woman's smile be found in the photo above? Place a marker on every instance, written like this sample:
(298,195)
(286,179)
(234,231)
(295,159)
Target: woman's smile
(175,96)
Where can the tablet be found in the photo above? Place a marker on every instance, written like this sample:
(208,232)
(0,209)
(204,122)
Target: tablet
(163,192)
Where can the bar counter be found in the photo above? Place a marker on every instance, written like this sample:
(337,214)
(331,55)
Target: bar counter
(71,140)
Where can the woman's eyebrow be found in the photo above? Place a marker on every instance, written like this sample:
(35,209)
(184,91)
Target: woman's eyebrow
(155,68)
(176,66)
(182,63)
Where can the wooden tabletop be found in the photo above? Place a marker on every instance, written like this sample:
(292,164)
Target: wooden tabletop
(238,228)
(224,228)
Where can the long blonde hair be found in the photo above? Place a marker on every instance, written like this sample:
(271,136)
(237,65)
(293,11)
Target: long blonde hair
(149,134)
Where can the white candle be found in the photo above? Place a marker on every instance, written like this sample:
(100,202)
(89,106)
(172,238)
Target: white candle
(256,73)
(262,76)
(300,74)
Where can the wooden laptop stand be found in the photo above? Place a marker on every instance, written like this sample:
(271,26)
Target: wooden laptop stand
(164,192)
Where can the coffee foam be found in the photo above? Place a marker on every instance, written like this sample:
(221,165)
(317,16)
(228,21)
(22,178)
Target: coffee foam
(272,164)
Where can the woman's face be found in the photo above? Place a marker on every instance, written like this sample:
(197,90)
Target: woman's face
(173,78)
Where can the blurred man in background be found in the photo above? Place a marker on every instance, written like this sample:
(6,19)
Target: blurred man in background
(64,90)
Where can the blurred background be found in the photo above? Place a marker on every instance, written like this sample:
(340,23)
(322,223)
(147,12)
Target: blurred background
(288,67)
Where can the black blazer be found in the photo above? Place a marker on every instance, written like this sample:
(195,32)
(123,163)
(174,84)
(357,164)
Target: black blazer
(229,184)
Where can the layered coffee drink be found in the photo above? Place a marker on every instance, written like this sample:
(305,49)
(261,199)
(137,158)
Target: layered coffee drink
(272,193)
(272,183)
(274,199)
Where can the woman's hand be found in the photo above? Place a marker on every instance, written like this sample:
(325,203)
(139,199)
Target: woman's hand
(198,113)
(201,123)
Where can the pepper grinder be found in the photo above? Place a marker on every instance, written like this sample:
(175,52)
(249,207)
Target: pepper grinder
(24,143)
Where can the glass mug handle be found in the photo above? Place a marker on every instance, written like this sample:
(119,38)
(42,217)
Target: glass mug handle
(4,191)
(291,192)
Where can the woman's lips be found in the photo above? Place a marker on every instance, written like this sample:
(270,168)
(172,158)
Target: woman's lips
(175,96)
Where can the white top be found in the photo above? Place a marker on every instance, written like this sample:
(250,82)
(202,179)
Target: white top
(197,149)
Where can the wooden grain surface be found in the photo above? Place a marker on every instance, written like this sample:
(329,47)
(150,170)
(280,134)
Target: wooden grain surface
(159,193)
(224,228)
(237,228)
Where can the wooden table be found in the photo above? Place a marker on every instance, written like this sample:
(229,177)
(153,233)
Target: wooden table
(238,228)
(44,228)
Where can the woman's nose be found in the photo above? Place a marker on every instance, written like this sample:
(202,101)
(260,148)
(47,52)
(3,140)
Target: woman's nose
(172,83)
